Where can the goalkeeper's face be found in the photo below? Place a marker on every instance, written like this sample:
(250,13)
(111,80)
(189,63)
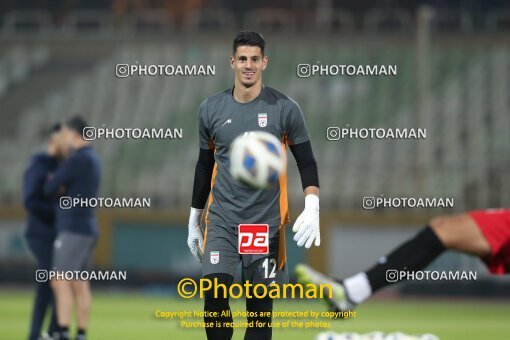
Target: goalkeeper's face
(248,64)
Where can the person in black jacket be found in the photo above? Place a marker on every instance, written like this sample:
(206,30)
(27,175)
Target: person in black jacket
(77,177)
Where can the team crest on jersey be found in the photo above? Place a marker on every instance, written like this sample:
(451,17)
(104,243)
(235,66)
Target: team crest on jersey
(215,257)
(262,119)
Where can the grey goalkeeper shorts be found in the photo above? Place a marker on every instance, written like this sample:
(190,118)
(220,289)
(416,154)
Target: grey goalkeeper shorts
(221,255)
(73,251)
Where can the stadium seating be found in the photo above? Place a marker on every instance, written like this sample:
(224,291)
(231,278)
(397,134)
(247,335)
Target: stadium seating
(467,117)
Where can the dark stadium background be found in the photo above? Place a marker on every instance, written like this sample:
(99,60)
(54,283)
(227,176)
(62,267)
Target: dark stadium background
(57,58)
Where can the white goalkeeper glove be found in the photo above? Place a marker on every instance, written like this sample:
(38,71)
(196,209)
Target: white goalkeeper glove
(195,236)
(307,225)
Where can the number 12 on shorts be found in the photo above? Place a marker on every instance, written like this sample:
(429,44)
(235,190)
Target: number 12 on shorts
(269,265)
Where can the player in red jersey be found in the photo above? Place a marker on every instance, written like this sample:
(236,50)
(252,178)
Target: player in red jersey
(483,233)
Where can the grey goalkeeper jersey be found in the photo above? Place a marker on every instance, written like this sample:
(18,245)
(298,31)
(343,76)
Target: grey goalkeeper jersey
(221,120)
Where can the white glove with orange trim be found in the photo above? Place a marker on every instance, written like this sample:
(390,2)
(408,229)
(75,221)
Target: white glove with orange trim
(195,235)
(307,225)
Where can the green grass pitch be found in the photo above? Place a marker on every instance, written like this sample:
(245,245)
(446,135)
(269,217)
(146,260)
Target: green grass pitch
(131,316)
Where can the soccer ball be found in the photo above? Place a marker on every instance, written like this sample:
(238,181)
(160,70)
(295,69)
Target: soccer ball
(348,336)
(373,336)
(257,159)
(327,336)
(399,336)
(428,337)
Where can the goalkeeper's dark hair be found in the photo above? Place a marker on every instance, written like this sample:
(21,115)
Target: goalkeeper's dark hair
(77,124)
(249,38)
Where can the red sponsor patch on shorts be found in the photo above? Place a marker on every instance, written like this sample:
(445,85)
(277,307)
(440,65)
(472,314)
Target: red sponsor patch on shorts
(253,239)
